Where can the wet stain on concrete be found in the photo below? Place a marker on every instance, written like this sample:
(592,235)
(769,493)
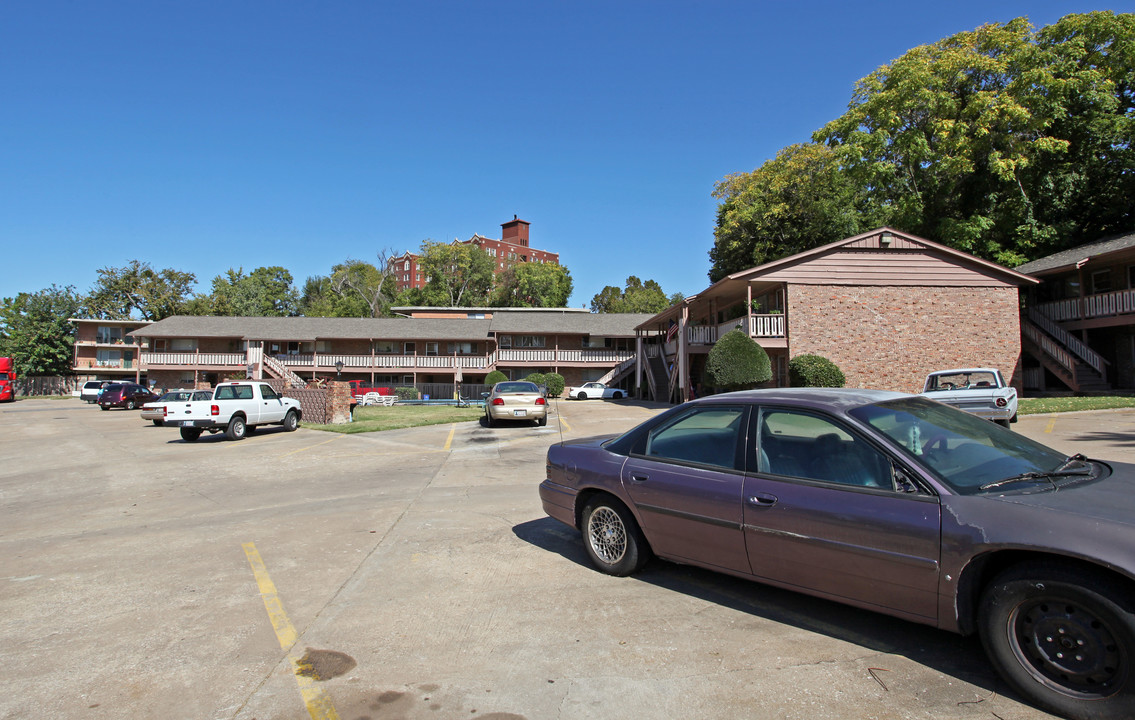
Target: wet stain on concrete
(390,704)
(324,664)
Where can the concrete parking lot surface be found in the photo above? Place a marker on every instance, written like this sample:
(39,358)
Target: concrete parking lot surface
(410,574)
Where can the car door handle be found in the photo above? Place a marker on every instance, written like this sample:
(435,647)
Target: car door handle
(639,478)
(762,500)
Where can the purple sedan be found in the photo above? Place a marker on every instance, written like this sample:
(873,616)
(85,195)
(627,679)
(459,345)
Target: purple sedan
(885,501)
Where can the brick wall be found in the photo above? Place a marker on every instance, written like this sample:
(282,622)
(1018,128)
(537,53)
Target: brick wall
(890,337)
(324,406)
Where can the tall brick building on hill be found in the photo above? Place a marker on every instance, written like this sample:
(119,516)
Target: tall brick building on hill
(513,247)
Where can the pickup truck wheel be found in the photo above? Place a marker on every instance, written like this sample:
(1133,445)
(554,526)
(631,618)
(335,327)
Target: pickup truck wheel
(236,429)
(1002,423)
(190,434)
(291,422)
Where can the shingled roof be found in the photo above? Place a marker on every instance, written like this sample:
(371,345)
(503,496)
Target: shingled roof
(317,328)
(1067,259)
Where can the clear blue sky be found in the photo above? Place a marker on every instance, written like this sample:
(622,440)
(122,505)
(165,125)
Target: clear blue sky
(208,135)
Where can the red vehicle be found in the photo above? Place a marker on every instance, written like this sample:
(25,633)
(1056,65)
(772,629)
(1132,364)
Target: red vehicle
(359,388)
(7,379)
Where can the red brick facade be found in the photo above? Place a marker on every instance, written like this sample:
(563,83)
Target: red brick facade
(888,337)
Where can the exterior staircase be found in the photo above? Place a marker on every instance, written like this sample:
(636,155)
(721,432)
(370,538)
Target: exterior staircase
(277,369)
(659,379)
(1063,354)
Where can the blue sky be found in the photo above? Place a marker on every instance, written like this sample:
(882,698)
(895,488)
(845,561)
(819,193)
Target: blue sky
(205,136)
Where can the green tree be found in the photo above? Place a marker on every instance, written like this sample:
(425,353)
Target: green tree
(264,292)
(139,290)
(799,200)
(36,330)
(495,377)
(529,284)
(555,384)
(737,362)
(636,297)
(460,274)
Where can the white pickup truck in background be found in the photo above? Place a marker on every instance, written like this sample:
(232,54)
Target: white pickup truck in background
(237,408)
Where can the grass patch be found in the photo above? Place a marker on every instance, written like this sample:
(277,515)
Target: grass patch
(1034,406)
(375,418)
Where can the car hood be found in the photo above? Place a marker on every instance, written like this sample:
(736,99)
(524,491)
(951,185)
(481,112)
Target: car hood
(1111,499)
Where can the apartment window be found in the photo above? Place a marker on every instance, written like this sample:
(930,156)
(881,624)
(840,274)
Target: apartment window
(323,346)
(1131,277)
(385,347)
(461,348)
(109,358)
(186,379)
(528,341)
(431,348)
(406,265)
(1101,281)
(109,334)
(505,341)
(409,348)
(183,344)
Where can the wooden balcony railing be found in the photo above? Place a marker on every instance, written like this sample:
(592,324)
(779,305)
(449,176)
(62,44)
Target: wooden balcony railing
(1117,302)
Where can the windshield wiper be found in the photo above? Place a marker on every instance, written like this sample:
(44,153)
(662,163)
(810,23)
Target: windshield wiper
(1033,475)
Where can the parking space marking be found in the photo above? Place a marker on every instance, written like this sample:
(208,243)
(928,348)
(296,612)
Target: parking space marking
(449,440)
(309,447)
(564,422)
(1051,424)
(318,703)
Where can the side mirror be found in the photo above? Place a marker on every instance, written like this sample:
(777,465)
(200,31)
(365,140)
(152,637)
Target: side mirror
(484,395)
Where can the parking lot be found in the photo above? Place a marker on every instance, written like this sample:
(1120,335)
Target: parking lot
(410,574)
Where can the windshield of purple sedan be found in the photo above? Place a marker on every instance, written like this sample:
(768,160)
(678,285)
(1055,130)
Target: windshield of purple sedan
(968,453)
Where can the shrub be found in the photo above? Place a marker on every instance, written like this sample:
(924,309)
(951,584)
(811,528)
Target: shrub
(537,378)
(814,371)
(737,362)
(554,383)
(406,393)
(495,377)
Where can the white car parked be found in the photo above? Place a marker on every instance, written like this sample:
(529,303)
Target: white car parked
(595,390)
(981,391)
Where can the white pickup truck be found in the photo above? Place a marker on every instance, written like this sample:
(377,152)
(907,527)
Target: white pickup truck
(980,391)
(236,408)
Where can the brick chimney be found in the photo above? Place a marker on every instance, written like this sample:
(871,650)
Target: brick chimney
(515,232)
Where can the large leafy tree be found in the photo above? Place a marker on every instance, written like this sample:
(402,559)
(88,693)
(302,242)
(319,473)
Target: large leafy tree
(1005,142)
(460,274)
(138,290)
(530,284)
(36,330)
(798,200)
(264,292)
(636,297)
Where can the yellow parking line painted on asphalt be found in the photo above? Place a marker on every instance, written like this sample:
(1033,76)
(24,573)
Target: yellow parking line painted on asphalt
(564,422)
(309,447)
(1051,424)
(318,703)
(449,439)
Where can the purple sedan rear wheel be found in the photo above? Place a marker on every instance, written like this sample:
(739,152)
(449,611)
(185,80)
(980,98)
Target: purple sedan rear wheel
(612,537)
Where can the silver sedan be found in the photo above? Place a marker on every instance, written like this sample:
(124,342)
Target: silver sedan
(516,400)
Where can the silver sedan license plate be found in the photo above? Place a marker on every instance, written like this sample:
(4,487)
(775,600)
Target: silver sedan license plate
(520,412)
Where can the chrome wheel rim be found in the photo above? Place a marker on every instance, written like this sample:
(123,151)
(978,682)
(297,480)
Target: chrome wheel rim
(607,535)
(1068,647)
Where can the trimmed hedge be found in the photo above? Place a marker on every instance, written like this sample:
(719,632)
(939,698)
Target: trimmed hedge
(495,377)
(814,371)
(737,362)
(407,393)
(555,384)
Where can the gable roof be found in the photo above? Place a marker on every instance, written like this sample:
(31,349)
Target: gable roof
(567,322)
(1068,259)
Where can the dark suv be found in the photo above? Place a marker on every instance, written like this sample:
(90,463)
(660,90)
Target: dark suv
(125,395)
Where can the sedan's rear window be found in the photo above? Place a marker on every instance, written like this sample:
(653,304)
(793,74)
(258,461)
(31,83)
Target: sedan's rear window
(517,387)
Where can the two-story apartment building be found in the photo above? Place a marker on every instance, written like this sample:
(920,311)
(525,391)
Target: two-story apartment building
(105,349)
(426,345)
(513,247)
(885,306)
(1080,321)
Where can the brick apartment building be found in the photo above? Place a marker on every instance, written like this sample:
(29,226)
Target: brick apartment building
(513,247)
(886,307)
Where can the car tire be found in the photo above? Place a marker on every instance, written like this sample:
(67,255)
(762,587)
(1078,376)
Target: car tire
(236,429)
(1064,638)
(618,396)
(103,407)
(1003,423)
(291,422)
(541,422)
(157,422)
(488,420)
(189,434)
(581,396)
(612,538)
